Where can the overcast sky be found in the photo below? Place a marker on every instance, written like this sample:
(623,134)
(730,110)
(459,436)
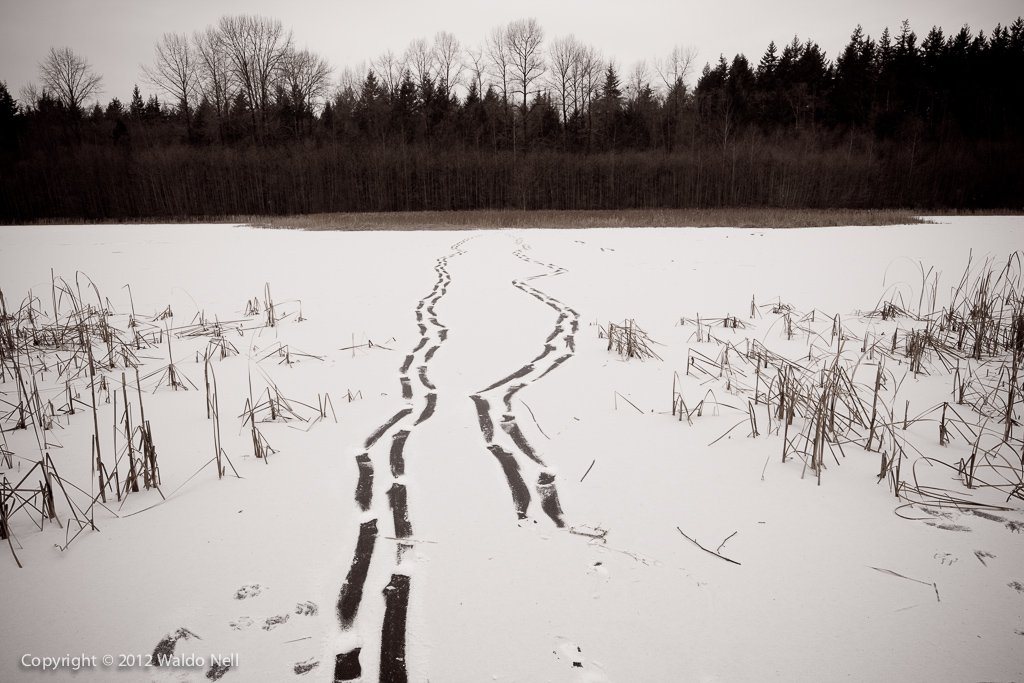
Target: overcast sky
(116,36)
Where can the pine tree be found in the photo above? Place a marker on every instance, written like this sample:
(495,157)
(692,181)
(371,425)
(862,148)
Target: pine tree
(9,116)
(137,106)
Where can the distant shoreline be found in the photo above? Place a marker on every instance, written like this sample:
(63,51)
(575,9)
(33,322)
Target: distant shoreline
(627,218)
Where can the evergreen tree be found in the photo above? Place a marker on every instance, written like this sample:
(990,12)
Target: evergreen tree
(9,119)
(137,107)
(855,80)
(404,109)
(115,110)
(608,109)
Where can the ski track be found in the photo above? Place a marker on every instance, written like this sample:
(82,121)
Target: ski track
(393,669)
(531,462)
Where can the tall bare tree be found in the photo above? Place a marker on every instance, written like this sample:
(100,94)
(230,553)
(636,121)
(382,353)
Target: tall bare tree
(389,70)
(256,46)
(676,66)
(448,60)
(307,78)
(563,56)
(69,78)
(214,73)
(476,63)
(586,84)
(639,79)
(175,70)
(419,59)
(524,38)
(500,60)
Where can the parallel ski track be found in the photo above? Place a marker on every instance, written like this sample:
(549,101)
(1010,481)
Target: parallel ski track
(382,471)
(514,452)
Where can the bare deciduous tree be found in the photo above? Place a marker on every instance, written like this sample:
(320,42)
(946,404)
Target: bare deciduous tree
(524,38)
(676,66)
(256,47)
(69,77)
(307,78)
(213,72)
(29,96)
(419,59)
(587,83)
(500,60)
(563,55)
(476,63)
(351,77)
(448,63)
(389,70)
(639,79)
(175,70)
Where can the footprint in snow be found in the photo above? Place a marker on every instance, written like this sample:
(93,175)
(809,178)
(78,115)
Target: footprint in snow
(249,590)
(305,666)
(572,655)
(241,624)
(273,622)
(308,608)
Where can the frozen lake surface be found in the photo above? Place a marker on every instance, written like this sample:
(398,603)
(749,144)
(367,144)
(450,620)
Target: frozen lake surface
(463,482)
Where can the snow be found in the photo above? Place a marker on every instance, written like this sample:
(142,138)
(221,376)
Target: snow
(815,596)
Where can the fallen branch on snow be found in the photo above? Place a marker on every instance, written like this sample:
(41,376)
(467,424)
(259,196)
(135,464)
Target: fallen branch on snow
(712,552)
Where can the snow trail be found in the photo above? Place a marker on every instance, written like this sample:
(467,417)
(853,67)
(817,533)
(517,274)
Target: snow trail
(528,374)
(347,666)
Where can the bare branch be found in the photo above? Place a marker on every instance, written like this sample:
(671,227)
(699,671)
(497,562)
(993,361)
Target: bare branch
(69,77)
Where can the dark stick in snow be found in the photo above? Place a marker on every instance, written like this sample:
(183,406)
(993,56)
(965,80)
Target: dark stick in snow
(712,552)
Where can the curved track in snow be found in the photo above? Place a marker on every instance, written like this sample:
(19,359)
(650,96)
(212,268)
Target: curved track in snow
(381,487)
(518,458)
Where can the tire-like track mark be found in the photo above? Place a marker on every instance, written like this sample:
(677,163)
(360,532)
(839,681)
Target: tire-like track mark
(398,452)
(516,485)
(364,487)
(536,369)
(352,590)
(392,650)
(347,666)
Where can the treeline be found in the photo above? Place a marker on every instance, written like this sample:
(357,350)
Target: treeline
(251,125)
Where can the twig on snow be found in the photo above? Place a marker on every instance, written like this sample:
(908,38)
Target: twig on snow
(712,552)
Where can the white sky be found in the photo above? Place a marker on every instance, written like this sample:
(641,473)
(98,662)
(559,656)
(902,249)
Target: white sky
(116,36)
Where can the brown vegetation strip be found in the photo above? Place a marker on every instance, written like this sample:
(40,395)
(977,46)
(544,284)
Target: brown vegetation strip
(626,218)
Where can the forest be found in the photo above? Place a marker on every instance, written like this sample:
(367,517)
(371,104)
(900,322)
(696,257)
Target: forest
(241,122)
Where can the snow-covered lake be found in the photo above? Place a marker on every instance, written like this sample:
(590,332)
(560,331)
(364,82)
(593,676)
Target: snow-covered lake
(489,492)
